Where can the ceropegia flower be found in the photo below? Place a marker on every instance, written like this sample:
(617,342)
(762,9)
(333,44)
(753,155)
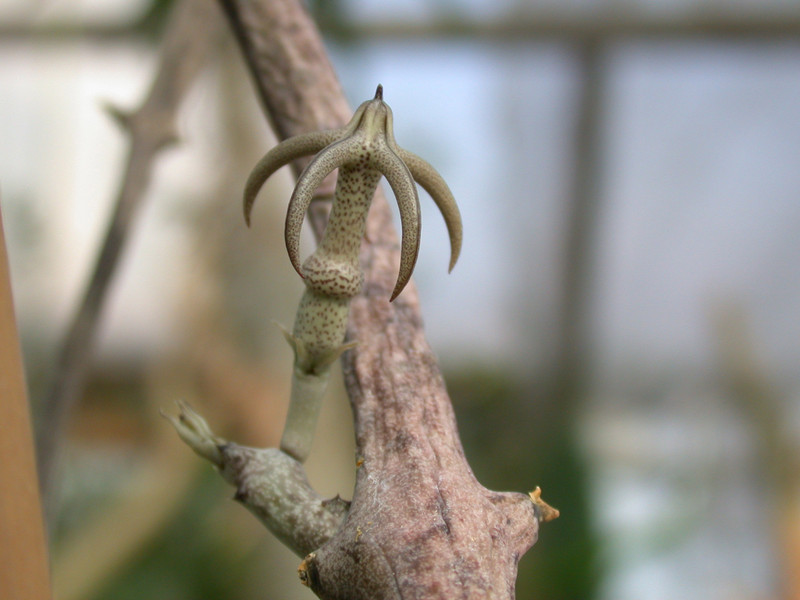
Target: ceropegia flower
(363,151)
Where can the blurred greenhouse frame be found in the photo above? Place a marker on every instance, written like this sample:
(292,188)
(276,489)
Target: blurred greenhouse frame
(627,297)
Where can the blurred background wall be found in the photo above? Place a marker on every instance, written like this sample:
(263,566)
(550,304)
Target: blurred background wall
(622,327)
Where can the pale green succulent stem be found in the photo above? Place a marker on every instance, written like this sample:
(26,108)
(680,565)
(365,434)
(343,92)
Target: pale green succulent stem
(304,408)
(317,340)
(333,276)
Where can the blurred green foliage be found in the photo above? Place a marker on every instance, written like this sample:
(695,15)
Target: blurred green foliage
(511,445)
(186,561)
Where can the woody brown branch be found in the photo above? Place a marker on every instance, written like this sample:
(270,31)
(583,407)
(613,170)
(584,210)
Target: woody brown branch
(420,525)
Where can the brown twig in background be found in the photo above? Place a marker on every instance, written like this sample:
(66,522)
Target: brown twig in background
(151,128)
(763,405)
(419,525)
(24,569)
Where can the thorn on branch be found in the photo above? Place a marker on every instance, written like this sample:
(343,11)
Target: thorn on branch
(544,512)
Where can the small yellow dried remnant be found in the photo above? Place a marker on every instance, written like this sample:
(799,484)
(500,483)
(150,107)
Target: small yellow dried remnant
(362,151)
(545,511)
(302,570)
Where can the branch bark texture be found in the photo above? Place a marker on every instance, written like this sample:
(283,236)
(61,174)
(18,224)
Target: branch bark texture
(420,525)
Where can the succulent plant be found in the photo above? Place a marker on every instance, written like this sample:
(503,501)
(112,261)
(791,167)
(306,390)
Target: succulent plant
(362,151)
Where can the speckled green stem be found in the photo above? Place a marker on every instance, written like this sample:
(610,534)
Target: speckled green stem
(332,276)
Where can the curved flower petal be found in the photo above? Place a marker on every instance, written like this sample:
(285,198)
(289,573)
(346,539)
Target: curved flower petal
(402,184)
(355,120)
(330,158)
(285,152)
(433,183)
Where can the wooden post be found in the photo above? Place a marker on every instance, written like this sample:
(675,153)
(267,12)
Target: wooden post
(24,570)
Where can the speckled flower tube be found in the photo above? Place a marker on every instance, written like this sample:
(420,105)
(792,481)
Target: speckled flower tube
(363,151)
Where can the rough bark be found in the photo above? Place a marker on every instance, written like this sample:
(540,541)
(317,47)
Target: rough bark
(420,525)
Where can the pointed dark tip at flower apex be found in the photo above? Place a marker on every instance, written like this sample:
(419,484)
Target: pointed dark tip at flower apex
(379,92)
